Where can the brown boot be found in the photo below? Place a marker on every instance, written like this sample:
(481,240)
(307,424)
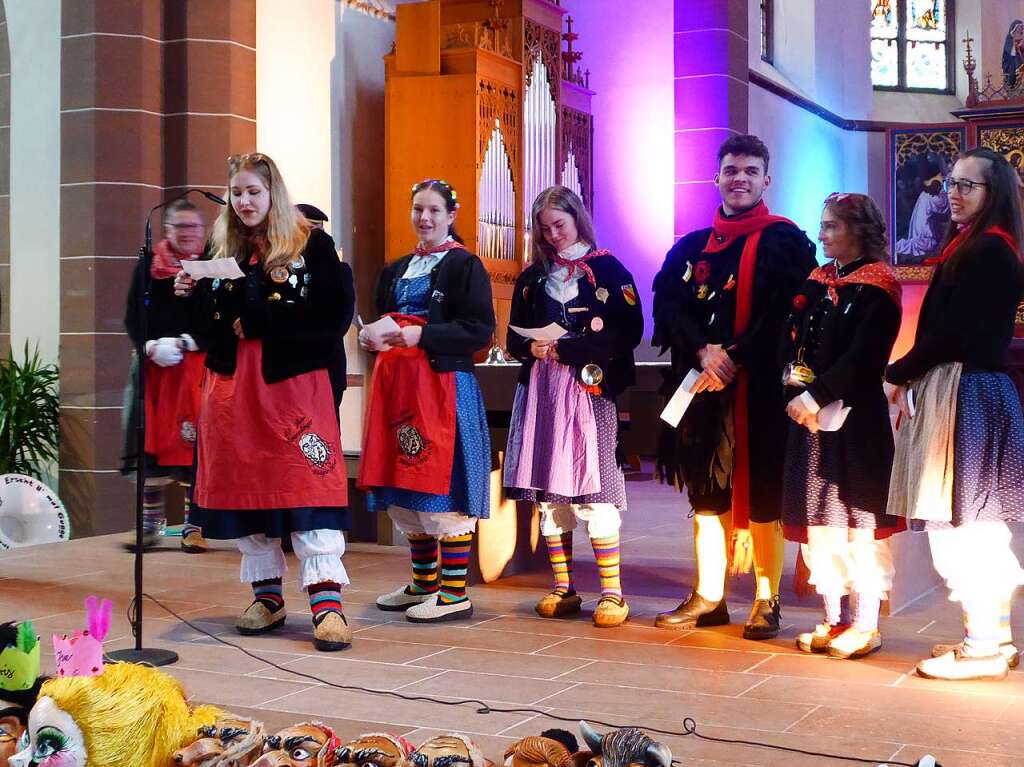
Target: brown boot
(193,542)
(332,633)
(559,603)
(611,611)
(257,619)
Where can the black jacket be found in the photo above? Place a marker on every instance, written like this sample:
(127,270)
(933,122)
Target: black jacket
(167,316)
(968,316)
(460,319)
(298,320)
(611,347)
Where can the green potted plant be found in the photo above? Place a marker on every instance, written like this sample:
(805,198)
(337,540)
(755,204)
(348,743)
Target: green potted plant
(29,414)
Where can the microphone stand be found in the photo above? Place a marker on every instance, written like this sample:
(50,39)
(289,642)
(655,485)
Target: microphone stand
(149,656)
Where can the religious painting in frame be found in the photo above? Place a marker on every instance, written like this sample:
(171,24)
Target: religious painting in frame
(919,159)
(1008,140)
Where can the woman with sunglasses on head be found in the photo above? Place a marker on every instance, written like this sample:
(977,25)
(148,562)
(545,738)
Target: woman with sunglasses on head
(958,472)
(836,344)
(562,442)
(426,450)
(269,450)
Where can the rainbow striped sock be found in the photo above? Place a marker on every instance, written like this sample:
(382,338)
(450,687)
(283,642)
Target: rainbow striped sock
(269,594)
(560,555)
(606,552)
(188,527)
(324,598)
(454,567)
(423,550)
(152,507)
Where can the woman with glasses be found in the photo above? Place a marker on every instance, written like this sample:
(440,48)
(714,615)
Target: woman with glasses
(173,369)
(958,472)
(835,347)
(426,450)
(269,451)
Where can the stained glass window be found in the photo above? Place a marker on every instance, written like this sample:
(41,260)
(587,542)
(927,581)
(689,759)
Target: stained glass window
(910,44)
(767,31)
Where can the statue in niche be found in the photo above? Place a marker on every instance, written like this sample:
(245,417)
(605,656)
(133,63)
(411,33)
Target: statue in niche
(1013,54)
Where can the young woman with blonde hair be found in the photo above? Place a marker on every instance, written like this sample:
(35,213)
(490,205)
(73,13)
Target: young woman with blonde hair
(269,448)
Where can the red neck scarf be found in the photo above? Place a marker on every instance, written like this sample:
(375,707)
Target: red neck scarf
(725,231)
(167,261)
(442,248)
(875,273)
(961,236)
(572,264)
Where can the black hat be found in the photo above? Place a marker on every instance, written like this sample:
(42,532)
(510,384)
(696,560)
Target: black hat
(312,213)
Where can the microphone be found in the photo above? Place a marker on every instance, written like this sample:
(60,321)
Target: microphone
(210,196)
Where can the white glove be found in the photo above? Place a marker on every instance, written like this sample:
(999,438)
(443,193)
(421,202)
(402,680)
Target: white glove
(188,343)
(165,352)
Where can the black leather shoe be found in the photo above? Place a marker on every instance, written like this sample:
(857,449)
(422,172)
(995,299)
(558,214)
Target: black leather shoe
(765,619)
(695,612)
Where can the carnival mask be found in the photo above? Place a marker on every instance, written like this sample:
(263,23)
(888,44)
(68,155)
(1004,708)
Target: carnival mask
(226,743)
(377,750)
(448,751)
(11,730)
(628,747)
(304,745)
(538,751)
(54,740)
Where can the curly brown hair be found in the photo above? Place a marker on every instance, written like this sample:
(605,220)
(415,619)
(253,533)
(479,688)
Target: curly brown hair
(867,225)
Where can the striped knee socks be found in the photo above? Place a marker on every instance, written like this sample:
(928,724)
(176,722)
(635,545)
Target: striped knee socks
(606,552)
(454,567)
(423,551)
(187,527)
(324,598)
(560,555)
(152,507)
(269,594)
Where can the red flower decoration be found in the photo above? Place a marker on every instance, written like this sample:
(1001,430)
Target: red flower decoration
(800,302)
(701,272)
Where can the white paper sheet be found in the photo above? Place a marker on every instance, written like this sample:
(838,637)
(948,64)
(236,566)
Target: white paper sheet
(551,332)
(223,268)
(376,331)
(832,416)
(676,407)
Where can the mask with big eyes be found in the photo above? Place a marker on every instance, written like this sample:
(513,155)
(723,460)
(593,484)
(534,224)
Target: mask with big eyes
(448,751)
(227,742)
(11,730)
(374,751)
(304,745)
(54,740)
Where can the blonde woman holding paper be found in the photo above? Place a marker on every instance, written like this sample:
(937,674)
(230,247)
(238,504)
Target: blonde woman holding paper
(835,346)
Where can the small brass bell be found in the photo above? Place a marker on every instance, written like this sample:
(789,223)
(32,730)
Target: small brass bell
(592,375)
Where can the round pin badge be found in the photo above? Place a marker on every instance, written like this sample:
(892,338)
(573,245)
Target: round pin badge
(279,274)
(597,324)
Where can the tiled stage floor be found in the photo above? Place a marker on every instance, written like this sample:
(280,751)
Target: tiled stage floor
(874,708)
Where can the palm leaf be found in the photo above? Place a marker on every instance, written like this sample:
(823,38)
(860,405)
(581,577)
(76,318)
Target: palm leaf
(29,414)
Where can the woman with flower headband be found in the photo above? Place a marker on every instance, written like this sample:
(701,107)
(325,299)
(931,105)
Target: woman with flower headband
(958,472)
(835,347)
(269,450)
(563,436)
(426,449)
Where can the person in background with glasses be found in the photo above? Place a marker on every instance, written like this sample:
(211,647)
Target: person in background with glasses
(174,368)
(720,300)
(958,472)
(269,455)
(835,346)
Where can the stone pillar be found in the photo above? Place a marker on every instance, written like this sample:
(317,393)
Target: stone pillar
(711,97)
(5,185)
(154,97)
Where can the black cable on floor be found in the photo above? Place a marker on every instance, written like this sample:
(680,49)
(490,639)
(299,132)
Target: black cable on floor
(689,724)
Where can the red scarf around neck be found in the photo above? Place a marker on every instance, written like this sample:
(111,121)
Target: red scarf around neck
(725,231)
(572,264)
(961,236)
(443,247)
(876,273)
(167,261)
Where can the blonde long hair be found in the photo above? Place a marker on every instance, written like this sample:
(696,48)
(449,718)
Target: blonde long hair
(286,229)
(130,716)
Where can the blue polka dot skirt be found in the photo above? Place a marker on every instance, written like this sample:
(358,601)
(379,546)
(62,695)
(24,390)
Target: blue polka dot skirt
(988,460)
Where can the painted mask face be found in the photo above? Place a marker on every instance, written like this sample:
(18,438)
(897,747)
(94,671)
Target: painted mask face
(239,739)
(298,746)
(372,751)
(442,751)
(11,730)
(54,740)
(536,751)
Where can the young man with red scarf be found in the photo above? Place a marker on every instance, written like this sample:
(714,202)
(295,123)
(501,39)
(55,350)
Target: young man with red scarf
(720,301)
(174,367)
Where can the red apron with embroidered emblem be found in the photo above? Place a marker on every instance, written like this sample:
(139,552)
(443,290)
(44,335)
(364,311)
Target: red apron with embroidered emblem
(172,408)
(268,446)
(409,436)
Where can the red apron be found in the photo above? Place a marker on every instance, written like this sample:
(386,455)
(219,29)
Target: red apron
(172,407)
(268,446)
(409,436)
